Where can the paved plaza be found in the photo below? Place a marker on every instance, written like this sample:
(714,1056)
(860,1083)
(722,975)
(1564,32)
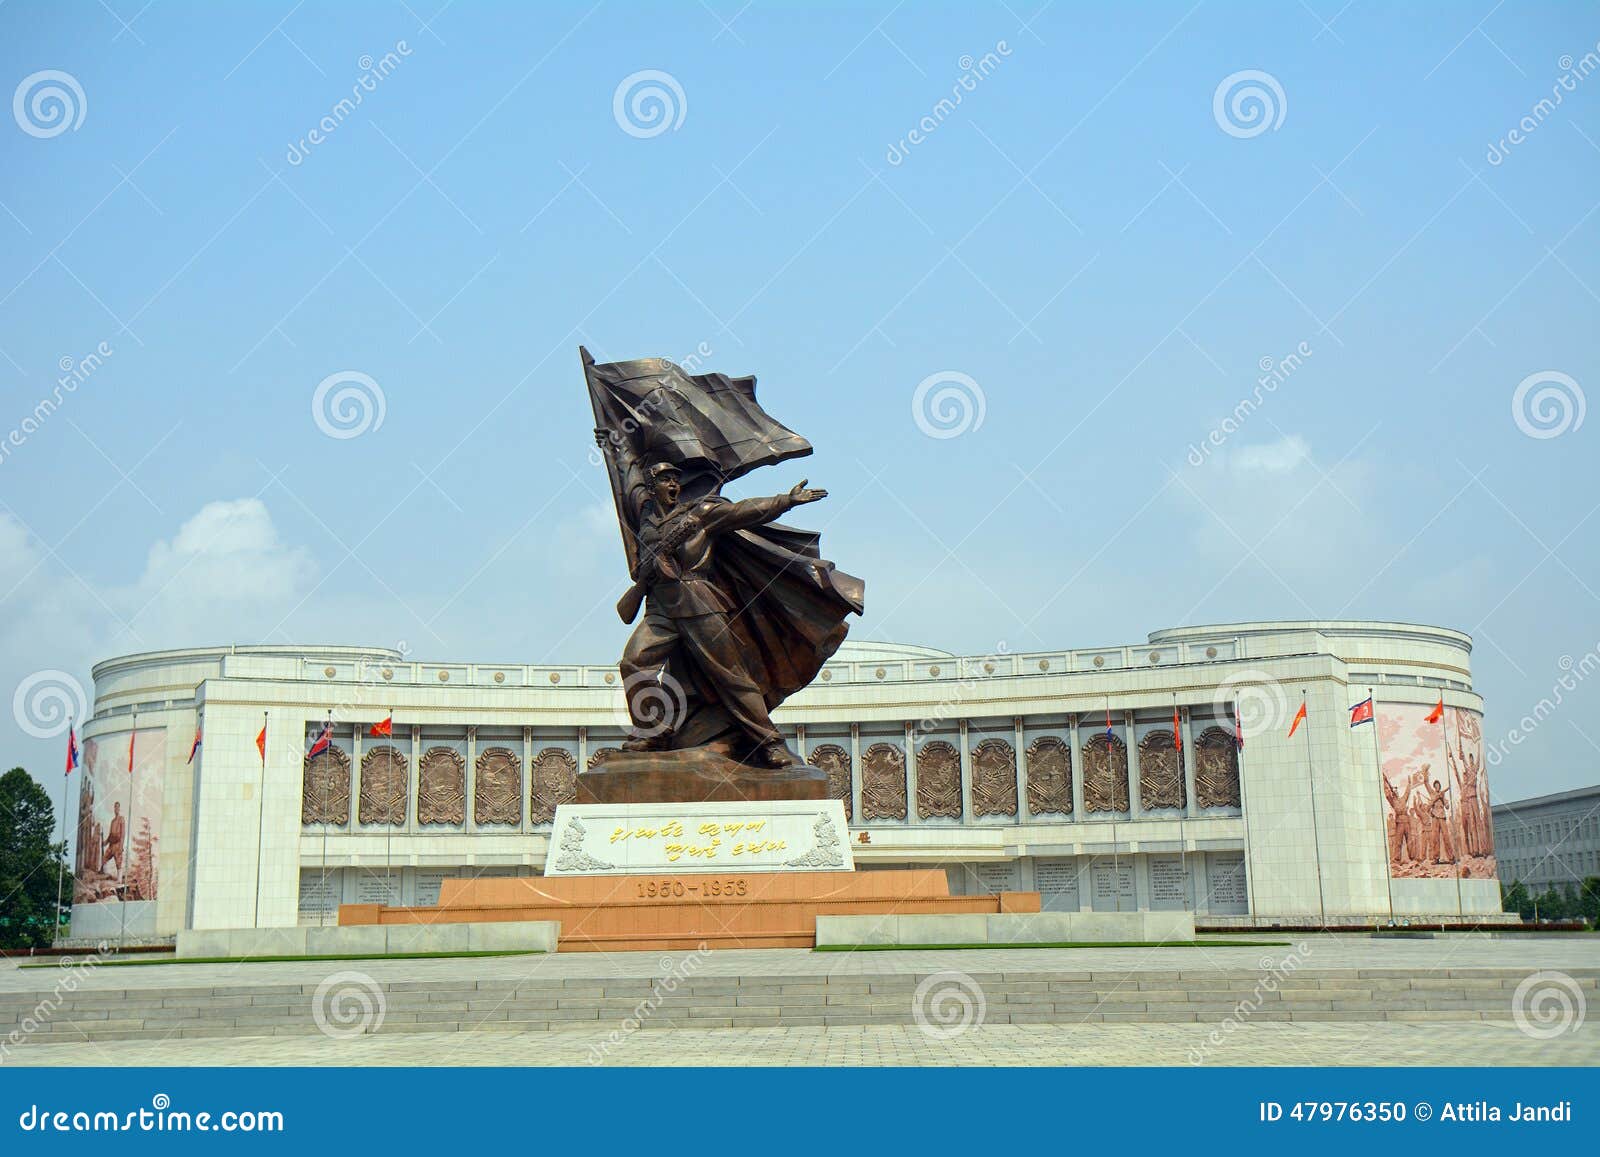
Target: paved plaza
(1346,1000)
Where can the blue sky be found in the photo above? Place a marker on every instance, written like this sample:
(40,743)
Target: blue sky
(1106,257)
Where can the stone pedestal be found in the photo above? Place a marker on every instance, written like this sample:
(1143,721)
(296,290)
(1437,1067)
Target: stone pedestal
(695,775)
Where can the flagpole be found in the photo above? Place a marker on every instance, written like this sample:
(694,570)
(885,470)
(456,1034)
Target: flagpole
(322,917)
(1183,855)
(127,827)
(1116,859)
(388,827)
(1450,786)
(66,779)
(1244,809)
(1316,835)
(261,815)
(1383,823)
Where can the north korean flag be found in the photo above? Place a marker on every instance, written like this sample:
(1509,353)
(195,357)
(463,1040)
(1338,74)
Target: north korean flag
(1361,712)
(324,740)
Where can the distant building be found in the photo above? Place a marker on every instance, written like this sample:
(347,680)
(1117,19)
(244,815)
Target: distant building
(1550,839)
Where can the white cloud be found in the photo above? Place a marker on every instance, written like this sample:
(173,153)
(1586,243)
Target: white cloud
(1280,457)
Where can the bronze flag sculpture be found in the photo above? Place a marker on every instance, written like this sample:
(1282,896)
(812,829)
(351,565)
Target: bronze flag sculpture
(739,611)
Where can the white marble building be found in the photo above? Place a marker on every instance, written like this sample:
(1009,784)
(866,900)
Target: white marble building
(984,747)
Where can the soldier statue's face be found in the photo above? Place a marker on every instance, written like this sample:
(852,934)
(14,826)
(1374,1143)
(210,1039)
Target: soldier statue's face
(667,489)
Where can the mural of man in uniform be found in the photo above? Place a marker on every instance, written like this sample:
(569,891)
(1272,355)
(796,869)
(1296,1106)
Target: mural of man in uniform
(116,840)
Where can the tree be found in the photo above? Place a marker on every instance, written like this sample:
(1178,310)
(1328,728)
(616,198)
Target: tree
(32,864)
(1514,898)
(1589,901)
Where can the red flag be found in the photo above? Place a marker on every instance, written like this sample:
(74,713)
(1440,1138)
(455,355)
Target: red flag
(1238,729)
(1177,733)
(72,749)
(131,735)
(323,741)
(1361,712)
(382,730)
(195,746)
(1299,718)
(261,744)
(1438,712)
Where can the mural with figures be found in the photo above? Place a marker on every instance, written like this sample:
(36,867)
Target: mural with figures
(119,817)
(1435,793)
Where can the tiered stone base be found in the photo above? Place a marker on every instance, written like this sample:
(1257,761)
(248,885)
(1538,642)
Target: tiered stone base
(683,912)
(695,775)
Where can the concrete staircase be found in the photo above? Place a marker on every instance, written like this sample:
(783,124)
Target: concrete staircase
(608,1005)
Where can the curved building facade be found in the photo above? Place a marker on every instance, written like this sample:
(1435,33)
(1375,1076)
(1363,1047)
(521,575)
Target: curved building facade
(1153,776)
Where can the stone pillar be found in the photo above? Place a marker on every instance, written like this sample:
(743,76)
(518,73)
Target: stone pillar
(912,815)
(855,772)
(1130,736)
(413,779)
(966,775)
(1187,729)
(800,741)
(468,823)
(527,777)
(1077,769)
(583,749)
(1019,760)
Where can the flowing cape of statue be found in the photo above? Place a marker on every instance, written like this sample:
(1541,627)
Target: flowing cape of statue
(790,603)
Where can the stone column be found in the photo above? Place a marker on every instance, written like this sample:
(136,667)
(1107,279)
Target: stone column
(800,741)
(966,775)
(527,778)
(1018,734)
(855,773)
(1188,763)
(468,824)
(1130,736)
(583,749)
(413,779)
(1077,769)
(911,774)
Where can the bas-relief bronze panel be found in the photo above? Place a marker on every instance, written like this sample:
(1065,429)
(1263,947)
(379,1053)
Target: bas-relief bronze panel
(325,791)
(883,783)
(384,787)
(1160,772)
(555,782)
(1216,769)
(497,787)
(1049,777)
(835,760)
(600,755)
(938,780)
(994,778)
(442,787)
(1105,775)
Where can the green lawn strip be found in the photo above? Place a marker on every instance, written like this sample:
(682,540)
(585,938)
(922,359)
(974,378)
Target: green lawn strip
(1055,944)
(301,959)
